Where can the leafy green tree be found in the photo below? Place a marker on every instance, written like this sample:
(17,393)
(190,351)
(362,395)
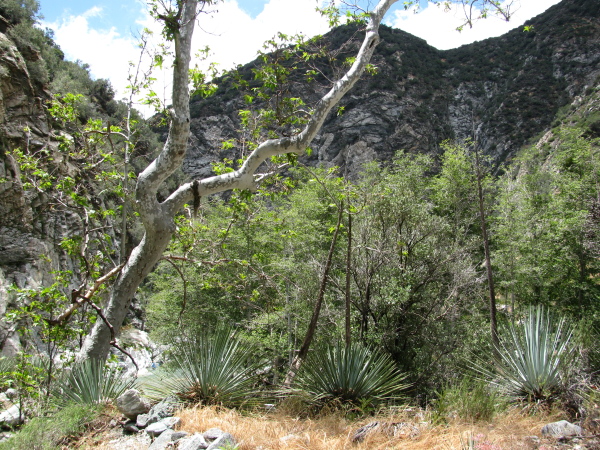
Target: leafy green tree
(545,255)
(463,192)
(413,281)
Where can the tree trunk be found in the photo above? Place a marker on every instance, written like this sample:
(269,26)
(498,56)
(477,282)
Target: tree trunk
(488,259)
(348,297)
(312,326)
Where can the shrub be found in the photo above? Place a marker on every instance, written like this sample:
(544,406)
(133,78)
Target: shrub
(350,375)
(470,400)
(55,431)
(532,357)
(212,369)
(91,382)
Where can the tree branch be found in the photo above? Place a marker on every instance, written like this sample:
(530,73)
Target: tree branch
(243,178)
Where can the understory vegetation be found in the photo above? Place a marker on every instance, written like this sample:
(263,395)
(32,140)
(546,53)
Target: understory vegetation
(387,280)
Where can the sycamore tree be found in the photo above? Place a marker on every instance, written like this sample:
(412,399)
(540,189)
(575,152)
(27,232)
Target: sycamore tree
(178,18)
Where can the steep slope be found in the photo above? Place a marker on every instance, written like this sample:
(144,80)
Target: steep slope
(504,91)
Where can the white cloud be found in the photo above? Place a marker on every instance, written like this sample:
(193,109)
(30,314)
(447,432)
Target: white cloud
(232,35)
(106,51)
(438,27)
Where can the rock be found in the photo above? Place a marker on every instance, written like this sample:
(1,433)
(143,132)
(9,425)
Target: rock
(161,410)
(11,417)
(362,432)
(396,429)
(162,441)
(131,403)
(159,427)
(156,428)
(143,420)
(194,442)
(11,393)
(213,433)
(177,435)
(225,440)
(171,422)
(562,428)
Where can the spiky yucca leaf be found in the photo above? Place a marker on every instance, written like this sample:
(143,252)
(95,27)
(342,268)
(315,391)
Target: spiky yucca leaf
(531,356)
(92,382)
(350,375)
(214,369)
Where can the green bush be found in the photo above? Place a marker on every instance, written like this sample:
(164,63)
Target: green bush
(350,375)
(212,369)
(468,400)
(55,431)
(532,358)
(91,382)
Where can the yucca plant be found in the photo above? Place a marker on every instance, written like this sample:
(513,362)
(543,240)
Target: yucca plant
(211,369)
(532,357)
(350,375)
(91,382)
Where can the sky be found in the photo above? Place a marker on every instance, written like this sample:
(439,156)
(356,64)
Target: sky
(105,33)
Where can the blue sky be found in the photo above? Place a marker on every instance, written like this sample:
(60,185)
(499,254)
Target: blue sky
(102,33)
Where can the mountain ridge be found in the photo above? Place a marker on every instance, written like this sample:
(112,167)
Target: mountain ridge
(502,91)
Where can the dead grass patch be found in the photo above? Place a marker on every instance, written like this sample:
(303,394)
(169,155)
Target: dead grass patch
(334,432)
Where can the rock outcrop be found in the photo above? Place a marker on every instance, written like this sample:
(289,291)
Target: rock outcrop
(24,234)
(503,91)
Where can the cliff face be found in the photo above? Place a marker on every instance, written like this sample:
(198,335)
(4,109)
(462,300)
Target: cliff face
(504,91)
(27,230)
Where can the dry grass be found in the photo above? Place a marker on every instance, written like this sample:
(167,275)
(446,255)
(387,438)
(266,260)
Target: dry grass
(333,432)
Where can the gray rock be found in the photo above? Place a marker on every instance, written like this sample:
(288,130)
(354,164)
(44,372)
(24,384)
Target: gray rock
(131,404)
(11,393)
(213,433)
(225,440)
(194,442)
(156,429)
(11,417)
(177,435)
(171,422)
(162,441)
(143,420)
(562,428)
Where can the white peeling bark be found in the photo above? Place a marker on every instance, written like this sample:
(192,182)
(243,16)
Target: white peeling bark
(157,217)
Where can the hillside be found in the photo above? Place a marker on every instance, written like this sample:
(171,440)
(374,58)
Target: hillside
(507,90)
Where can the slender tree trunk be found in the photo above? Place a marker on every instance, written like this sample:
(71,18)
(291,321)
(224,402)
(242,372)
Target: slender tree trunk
(488,260)
(348,297)
(312,326)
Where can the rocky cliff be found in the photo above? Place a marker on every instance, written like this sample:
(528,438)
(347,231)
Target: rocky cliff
(25,233)
(503,91)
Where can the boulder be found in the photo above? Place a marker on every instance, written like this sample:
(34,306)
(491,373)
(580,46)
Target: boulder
(157,428)
(131,404)
(213,433)
(162,441)
(11,417)
(562,428)
(161,410)
(168,423)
